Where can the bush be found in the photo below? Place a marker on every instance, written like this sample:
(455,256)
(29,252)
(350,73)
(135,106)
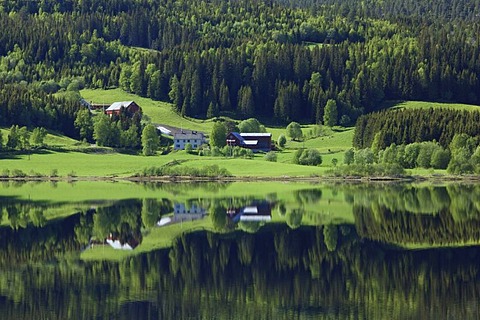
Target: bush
(54,173)
(308,157)
(364,156)
(188,148)
(271,156)
(440,159)
(282,140)
(17,173)
(349,157)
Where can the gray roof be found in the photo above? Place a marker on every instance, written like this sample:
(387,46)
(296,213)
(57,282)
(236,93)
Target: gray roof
(119,105)
(188,135)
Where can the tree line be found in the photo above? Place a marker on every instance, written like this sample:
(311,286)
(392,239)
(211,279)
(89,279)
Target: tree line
(406,126)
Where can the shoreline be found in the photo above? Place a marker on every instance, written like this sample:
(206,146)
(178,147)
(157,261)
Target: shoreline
(325,178)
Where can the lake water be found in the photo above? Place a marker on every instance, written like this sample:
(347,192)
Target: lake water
(99,250)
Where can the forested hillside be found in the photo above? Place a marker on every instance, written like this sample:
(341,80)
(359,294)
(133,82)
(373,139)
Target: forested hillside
(277,59)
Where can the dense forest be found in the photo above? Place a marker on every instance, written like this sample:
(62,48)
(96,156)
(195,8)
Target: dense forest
(416,125)
(278,59)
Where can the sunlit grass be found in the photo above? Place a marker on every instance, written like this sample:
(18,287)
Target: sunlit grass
(427,105)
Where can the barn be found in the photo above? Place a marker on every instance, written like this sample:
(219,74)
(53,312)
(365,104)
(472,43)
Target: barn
(253,141)
(127,107)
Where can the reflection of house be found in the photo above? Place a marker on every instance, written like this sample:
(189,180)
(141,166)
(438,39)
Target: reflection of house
(126,107)
(254,141)
(193,209)
(261,211)
(130,244)
(182,213)
(180,139)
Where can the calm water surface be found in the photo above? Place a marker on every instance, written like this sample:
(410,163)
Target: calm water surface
(245,251)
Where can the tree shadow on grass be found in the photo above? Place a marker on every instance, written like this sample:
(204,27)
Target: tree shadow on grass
(17,155)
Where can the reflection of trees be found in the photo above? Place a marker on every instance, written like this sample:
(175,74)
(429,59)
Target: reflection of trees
(308,196)
(177,188)
(294,218)
(463,201)
(281,274)
(33,244)
(404,227)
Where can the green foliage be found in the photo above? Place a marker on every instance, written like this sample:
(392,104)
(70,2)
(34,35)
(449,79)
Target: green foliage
(188,148)
(218,135)
(440,159)
(38,136)
(408,126)
(271,156)
(150,140)
(307,157)
(251,125)
(294,218)
(103,131)
(84,124)
(349,156)
(212,171)
(330,117)
(294,131)
(282,140)
(330,236)
(364,157)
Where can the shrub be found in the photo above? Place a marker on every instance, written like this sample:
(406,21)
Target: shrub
(308,157)
(271,156)
(188,148)
(54,173)
(440,159)
(282,140)
(349,157)
(17,173)
(364,156)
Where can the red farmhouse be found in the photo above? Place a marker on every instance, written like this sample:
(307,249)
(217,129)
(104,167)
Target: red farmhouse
(127,107)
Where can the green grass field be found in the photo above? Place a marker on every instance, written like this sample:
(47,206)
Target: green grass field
(85,162)
(426,105)
(157,111)
(82,161)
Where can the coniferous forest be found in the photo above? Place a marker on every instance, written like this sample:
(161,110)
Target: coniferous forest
(276,59)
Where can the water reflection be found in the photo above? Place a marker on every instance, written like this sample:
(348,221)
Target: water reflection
(278,273)
(313,252)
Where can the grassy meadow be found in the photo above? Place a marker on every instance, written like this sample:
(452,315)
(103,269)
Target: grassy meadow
(427,105)
(78,159)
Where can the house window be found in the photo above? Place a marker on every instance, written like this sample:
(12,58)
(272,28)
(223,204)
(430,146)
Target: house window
(195,146)
(188,140)
(178,146)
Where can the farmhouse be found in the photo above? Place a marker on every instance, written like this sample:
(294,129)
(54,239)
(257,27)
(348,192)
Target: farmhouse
(254,141)
(127,107)
(180,139)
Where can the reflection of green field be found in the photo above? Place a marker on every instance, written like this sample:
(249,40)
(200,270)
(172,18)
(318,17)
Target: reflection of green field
(157,238)
(69,198)
(331,208)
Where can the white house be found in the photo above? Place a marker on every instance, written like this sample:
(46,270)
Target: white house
(180,139)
